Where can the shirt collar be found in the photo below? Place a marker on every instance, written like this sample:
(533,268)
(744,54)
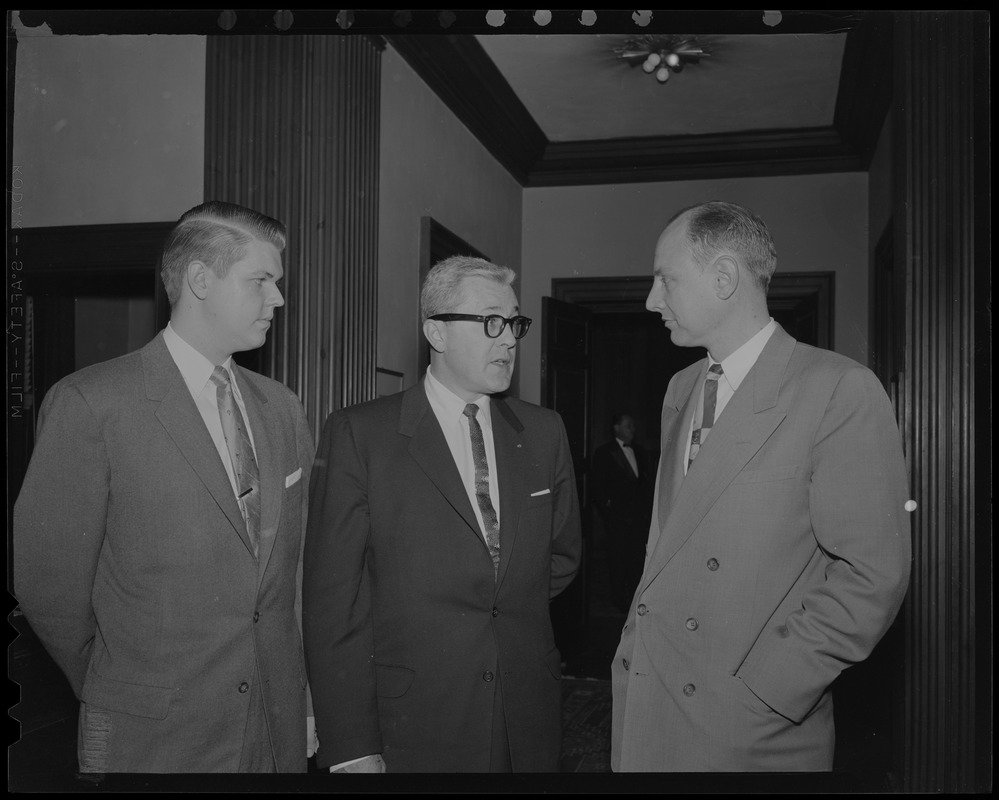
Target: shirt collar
(194,367)
(737,366)
(452,405)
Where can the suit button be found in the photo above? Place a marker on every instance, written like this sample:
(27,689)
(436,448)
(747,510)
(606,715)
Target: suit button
(487,676)
(713,564)
(782,631)
(691,624)
(689,689)
(256,616)
(495,612)
(626,664)
(642,610)
(244,687)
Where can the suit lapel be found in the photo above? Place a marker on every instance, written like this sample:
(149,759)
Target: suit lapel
(183,422)
(429,449)
(676,420)
(749,419)
(622,462)
(513,490)
(266,444)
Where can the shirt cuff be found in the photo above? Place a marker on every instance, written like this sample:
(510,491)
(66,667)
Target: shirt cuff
(335,767)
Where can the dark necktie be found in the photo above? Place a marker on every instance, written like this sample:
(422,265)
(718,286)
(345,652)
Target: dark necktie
(707,415)
(244,465)
(489,520)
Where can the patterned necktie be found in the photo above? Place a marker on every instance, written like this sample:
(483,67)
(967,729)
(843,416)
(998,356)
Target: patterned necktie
(489,520)
(702,430)
(244,465)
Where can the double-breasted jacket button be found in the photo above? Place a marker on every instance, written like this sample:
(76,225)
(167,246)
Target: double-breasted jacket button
(626,663)
(487,676)
(713,564)
(689,689)
(782,631)
(256,616)
(244,687)
(495,612)
(642,610)
(691,624)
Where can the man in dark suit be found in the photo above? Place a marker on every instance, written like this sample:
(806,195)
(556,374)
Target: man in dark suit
(158,534)
(442,521)
(779,550)
(622,488)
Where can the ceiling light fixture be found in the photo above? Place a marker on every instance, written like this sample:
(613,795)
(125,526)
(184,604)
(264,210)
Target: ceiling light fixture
(662,53)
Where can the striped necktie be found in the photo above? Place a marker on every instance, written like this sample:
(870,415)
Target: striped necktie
(707,416)
(489,519)
(244,465)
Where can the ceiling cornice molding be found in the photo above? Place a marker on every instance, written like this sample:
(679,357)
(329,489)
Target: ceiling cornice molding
(737,155)
(459,71)
(865,85)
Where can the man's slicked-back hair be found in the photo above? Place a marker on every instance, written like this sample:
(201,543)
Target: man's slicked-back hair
(217,234)
(716,227)
(441,291)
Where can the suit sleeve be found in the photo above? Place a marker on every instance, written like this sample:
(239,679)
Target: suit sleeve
(567,539)
(59,527)
(856,502)
(306,457)
(336,602)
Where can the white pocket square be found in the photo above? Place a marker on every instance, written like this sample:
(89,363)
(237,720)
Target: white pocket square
(292,479)
(543,491)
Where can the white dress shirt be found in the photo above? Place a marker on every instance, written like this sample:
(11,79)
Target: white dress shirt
(734,371)
(197,372)
(449,410)
(629,453)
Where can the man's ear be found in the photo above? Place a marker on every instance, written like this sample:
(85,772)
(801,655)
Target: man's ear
(199,277)
(436,334)
(726,276)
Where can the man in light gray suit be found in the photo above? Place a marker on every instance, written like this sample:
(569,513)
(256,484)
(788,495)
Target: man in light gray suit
(159,531)
(779,548)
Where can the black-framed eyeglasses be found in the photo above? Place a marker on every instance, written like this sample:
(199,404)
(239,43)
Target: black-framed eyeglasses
(493,325)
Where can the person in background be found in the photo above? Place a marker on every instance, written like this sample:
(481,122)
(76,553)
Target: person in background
(779,551)
(443,519)
(622,486)
(159,531)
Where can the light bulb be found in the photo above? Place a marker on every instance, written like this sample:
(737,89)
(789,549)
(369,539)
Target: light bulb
(662,75)
(672,60)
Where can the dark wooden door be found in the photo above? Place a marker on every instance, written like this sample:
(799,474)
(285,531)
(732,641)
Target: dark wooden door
(565,376)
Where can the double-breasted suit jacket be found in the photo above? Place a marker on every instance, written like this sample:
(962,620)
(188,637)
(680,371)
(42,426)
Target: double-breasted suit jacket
(777,561)
(406,624)
(133,566)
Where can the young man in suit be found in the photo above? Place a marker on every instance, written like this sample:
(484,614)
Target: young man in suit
(158,534)
(779,548)
(442,521)
(622,490)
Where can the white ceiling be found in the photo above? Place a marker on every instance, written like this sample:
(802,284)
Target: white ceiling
(577,89)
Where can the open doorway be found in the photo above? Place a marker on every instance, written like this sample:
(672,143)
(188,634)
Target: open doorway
(603,353)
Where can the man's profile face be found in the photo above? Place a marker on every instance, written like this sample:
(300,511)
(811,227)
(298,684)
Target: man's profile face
(240,306)
(625,430)
(472,364)
(682,292)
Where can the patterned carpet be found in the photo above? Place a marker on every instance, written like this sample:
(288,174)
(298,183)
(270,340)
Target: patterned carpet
(586,725)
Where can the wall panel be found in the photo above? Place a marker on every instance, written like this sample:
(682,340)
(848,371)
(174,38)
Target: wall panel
(292,130)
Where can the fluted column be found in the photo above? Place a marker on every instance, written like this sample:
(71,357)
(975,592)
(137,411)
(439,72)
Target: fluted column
(939,169)
(292,130)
